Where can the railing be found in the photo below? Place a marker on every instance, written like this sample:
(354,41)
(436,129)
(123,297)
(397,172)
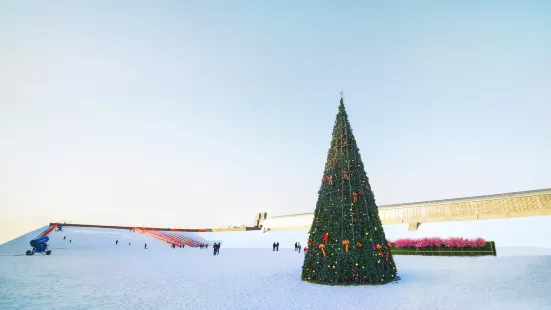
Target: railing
(169,237)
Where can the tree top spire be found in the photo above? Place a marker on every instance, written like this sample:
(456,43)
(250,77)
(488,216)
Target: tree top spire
(341,105)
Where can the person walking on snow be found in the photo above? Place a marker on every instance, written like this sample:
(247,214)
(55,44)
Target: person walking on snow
(116,242)
(298,246)
(277,246)
(273,247)
(145,246)
(216,248)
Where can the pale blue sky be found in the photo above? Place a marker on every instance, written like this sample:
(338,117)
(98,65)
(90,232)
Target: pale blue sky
(173,113)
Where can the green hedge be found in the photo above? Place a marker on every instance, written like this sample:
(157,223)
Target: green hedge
(488,250)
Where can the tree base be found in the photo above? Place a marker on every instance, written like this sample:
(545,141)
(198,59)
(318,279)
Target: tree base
(346,283)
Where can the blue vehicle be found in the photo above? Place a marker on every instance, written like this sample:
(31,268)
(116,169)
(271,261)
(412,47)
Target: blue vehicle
(39,245)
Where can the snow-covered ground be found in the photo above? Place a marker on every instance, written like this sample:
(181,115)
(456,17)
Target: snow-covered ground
(92,272)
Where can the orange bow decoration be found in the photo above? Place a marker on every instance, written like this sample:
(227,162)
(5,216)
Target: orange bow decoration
(346,242)
(325,238)
(322,248)
(330,178)
(355,197)
(346,175)
(380,249)
(359,244)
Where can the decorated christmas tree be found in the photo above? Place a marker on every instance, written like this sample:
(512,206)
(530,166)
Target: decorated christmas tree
(347,243)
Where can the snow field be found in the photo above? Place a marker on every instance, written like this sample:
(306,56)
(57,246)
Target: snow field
(93,273)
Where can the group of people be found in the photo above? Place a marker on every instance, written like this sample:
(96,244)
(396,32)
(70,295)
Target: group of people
(216,247)
(298,247)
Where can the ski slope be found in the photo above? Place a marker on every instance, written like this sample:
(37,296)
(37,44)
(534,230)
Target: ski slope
(92,272)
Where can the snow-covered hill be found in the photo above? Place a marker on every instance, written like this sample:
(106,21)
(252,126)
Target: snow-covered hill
(92,272)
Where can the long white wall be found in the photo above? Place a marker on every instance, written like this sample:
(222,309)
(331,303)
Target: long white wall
(529,231)
(295,220)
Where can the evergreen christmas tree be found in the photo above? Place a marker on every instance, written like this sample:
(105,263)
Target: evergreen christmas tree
(347,243)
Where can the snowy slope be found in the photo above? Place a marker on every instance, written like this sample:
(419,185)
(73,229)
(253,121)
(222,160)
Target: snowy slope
(81,238)
(15,245)
(94,273)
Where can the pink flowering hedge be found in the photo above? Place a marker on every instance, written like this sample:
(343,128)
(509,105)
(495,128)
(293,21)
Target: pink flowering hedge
(459,243)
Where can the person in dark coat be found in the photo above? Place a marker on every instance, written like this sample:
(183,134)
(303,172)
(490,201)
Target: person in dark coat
(145,246)
(116,242)
(277,246)
(273,246)
(215,249)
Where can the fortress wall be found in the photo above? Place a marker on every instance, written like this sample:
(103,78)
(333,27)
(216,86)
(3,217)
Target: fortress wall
(509,219)
(508,205)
